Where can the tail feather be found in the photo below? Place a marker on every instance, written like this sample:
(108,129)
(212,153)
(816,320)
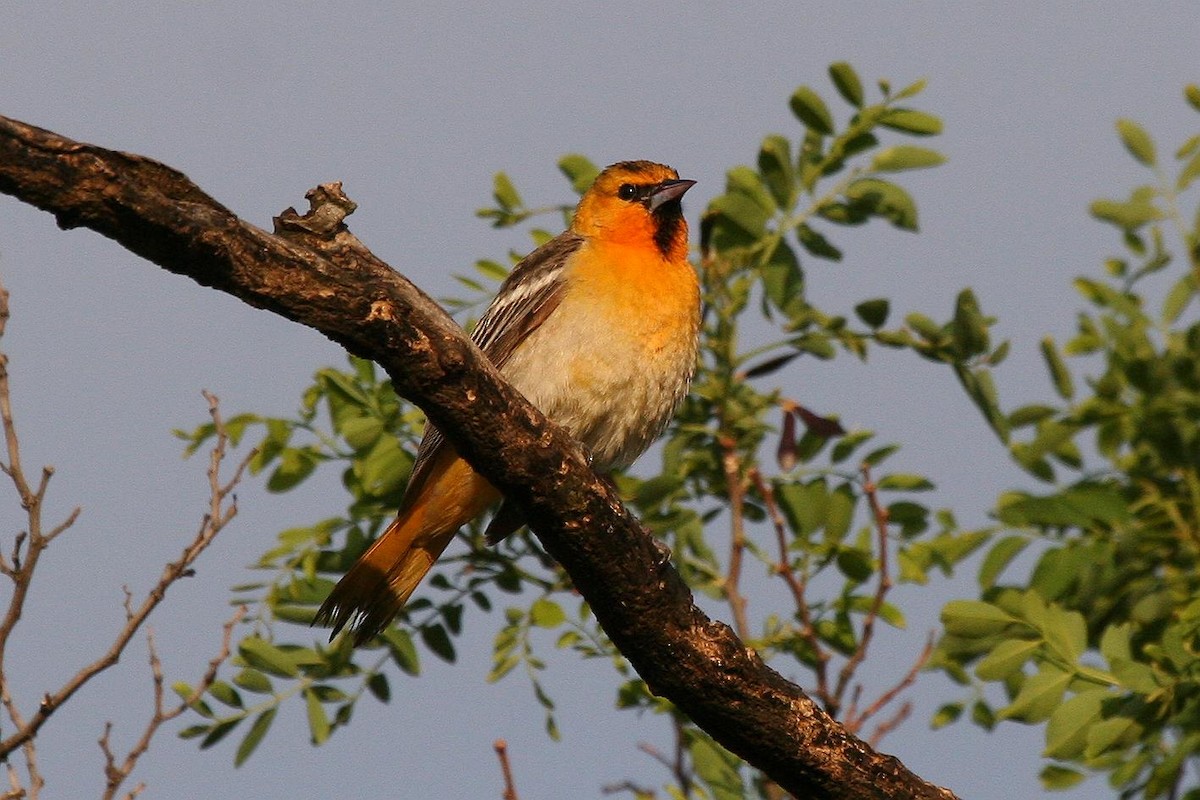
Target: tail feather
(378,585)
(374,590)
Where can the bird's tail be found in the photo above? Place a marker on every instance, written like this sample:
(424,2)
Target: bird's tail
(378,585)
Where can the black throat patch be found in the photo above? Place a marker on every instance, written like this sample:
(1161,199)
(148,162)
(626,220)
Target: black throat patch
(667,219)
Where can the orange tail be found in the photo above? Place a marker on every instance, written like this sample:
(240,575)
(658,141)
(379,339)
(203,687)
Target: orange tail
(374,590)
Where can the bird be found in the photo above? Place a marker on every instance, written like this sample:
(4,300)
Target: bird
(599,329)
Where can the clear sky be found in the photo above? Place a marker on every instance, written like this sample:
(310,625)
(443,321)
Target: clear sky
(414,108)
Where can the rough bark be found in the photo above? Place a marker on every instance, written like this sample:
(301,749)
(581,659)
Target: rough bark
(313,271)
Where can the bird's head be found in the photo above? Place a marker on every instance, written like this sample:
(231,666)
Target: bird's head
(636,203)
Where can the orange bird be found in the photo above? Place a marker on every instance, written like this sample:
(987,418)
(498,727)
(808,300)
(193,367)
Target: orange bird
(598,328)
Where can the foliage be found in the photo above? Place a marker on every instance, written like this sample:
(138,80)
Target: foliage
(824,522)
(1101,639)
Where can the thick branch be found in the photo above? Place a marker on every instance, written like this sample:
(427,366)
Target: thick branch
(333,284)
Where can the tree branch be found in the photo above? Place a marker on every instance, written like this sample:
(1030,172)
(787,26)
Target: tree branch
(316,273)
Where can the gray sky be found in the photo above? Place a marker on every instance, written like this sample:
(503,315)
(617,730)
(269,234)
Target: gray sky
(414,109)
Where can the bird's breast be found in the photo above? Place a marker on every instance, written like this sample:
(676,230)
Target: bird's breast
(613,361)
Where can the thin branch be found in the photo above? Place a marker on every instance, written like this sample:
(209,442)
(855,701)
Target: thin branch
(880,517)
(737,538)
(323,277)
(854,720)
(627,786)
(218,516)
(784,569)
(891,723)
(510,788)
(21,568)
(679,768)
(116,774)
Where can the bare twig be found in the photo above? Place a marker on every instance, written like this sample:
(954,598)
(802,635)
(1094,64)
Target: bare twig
(683,775)
(116,774)
(21,568)
(854,721)
(510,788)
(219,515)
(627,786)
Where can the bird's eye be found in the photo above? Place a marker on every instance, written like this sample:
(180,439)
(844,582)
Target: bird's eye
(627,191)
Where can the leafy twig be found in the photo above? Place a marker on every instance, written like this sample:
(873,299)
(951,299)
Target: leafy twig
(880,516)
(783,568)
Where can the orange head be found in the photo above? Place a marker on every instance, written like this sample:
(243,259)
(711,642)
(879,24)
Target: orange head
(636,203)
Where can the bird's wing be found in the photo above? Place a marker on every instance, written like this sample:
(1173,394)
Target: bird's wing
(527,297)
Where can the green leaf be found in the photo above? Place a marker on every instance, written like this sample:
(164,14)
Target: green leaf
(1030,415)
(783,280)
(224,693)
(742,211)
(1056,778)
(379,687)
(816,244)
(295,464)
(884,199)
(903,157)
(361,432)
(1136,141)
(491,270)
(873,312)
(1066,633)
(906,482)
(1058,370)
(318,722)
(717,768)
(846,81)
(917,123)
(810,109)
(846,446)
(1069,727)
(970,327)
(999,557)
(267,657)
(839,513)
(545,613)
(1128,215)
(1111,736)
(1006,658)
(1178,298)
(436,639)
(973,619)
(253,681)
(404,653)
(1039,696)
(778,170)
(580,171)
(878,456)
(913,89)
(1189,173)
(855,564)
(946,714)
(505,193)
(804,505)
(219,731)
(1191,93)
(262,724)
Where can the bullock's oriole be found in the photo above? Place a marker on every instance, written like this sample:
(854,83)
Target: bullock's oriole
(598,328)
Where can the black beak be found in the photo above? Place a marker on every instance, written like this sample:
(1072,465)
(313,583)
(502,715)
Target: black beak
(668,191)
